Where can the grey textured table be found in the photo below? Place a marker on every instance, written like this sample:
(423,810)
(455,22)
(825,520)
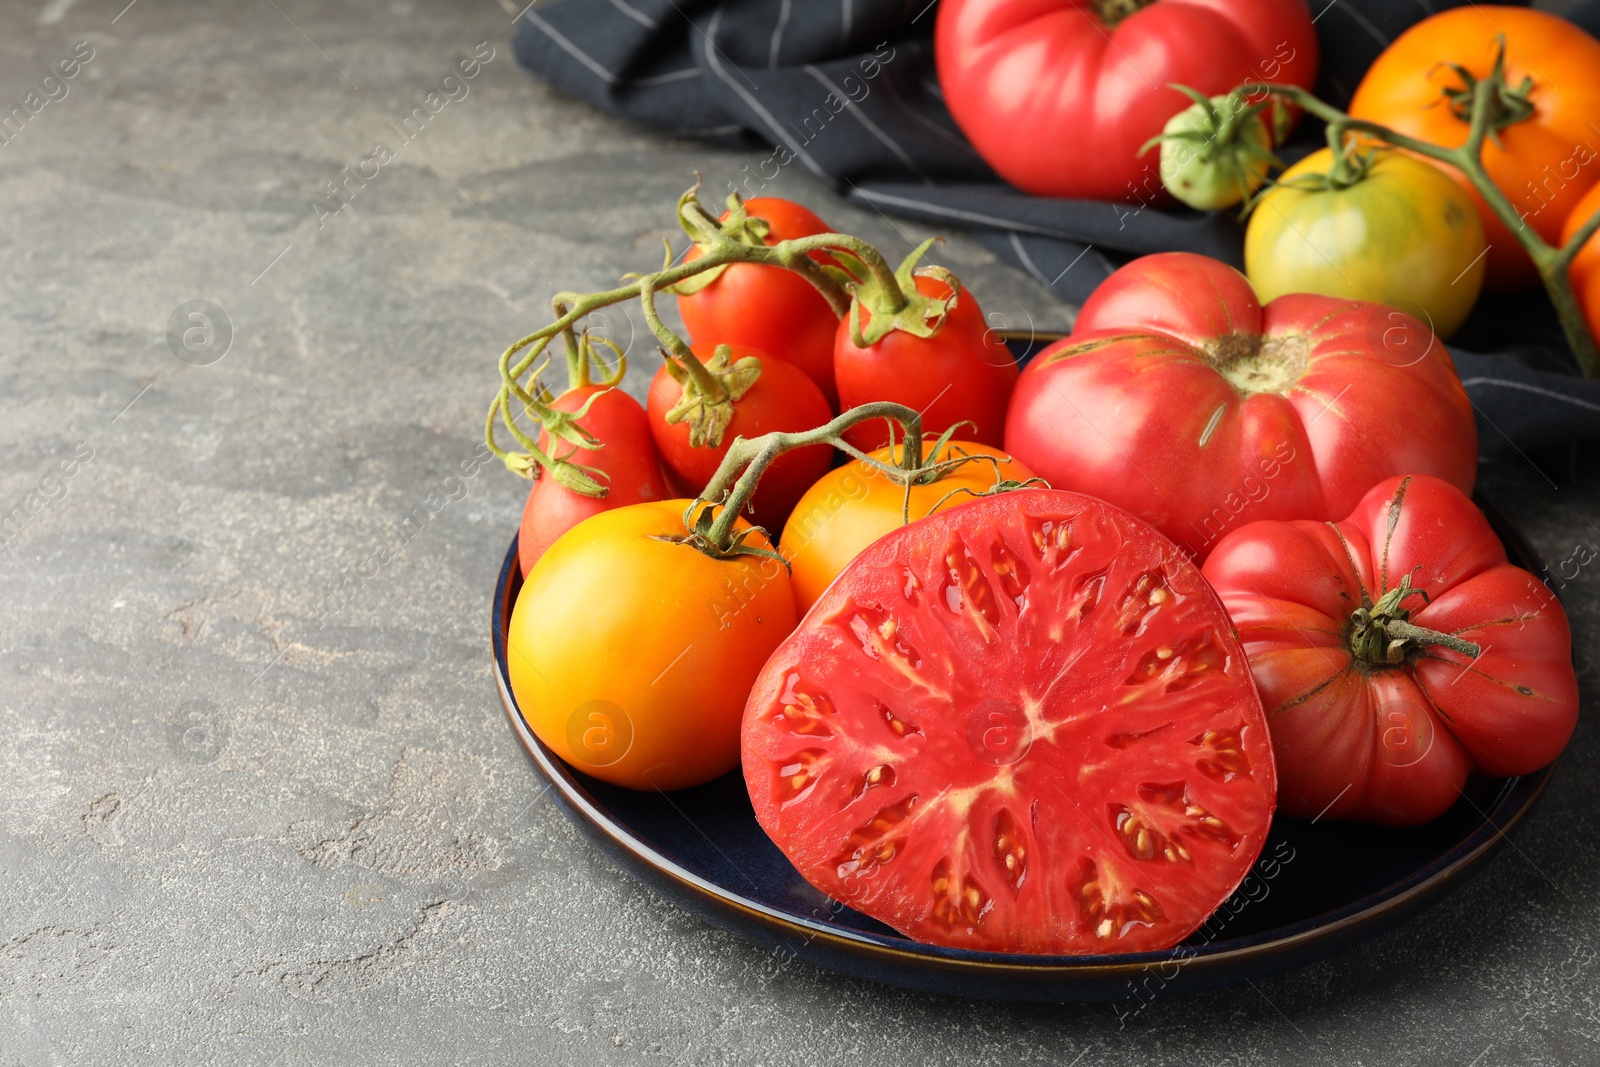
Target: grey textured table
(257,800)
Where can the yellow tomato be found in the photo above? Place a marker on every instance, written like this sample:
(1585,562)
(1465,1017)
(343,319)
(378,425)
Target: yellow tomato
(632,653)
(852,506)
(1405,235)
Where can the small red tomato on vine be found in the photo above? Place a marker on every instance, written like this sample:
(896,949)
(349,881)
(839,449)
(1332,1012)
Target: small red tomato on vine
(736,391)
(598,455)
(763,306)
(923,343)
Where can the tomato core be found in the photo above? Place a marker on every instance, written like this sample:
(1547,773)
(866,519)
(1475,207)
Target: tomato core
(1254,364)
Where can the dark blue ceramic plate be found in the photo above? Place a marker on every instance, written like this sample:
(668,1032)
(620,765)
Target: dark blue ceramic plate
(1318,888)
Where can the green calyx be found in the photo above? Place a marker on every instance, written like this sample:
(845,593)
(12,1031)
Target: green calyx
(1509,106)
(1216,152)
(1350,168)
(710,390)
(561,426)
(699,523)
(740,226)
(566,426)
(1381,634)
(900,307)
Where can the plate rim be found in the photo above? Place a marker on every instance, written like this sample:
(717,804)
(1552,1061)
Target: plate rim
(1288,946)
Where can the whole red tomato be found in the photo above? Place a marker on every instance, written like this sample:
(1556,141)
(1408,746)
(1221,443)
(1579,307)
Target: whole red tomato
(1396,652)
(780,398)
(963,373)
(1182,399)
(1022,724)
(768,308)
(626,465)
(1060,95)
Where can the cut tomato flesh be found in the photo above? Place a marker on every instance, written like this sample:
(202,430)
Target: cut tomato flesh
(1020,725)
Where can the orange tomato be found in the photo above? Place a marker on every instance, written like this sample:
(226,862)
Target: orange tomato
(852,506)
(632,653)
(1585,271)
(1544,163)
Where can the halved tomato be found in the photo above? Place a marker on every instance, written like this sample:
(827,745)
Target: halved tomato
(1020,725)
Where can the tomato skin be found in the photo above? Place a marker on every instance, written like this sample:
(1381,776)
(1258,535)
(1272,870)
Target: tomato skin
(1541,163)
(1019,725)
(783,399)
(1406,236)
(1061,105)
(1395,744)
(852,506)
(628,458)
(1585,269)
(963,373)
(769,308)
(659,639)
(1139,405)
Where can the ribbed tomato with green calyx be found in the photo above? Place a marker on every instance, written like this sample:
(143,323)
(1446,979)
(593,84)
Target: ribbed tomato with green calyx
(1182,398)
(1396,652)
(1019,725)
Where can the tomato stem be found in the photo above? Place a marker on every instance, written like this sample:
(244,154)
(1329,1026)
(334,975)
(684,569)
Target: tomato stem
(1383,635)
(731,486)
(721,246)
(1112,12)
(1488,95)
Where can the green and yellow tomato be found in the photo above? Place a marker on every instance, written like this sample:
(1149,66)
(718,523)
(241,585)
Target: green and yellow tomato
(1403,234)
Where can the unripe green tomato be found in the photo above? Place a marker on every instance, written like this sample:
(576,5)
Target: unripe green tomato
(1405,235)
(1211,176)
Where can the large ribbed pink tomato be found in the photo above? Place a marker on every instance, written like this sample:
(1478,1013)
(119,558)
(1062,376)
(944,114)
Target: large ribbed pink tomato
(1396,652)
(1020,725)
(1181,398)
(1060,95)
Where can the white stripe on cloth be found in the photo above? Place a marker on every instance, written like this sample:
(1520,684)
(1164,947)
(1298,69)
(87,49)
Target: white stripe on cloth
(969,216)
(635,14)
(1507,383)
(755,105)
(1025,259)
(571,49)
(663,79)
(871,127)
(776,45)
